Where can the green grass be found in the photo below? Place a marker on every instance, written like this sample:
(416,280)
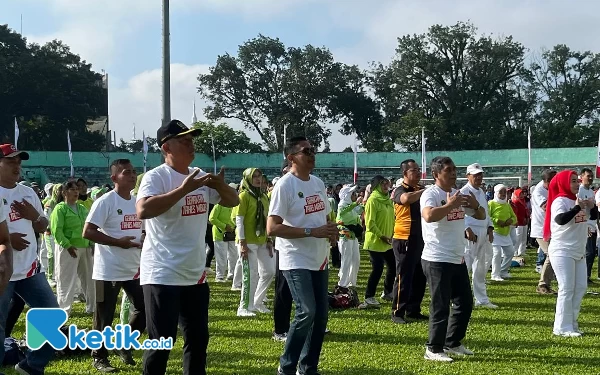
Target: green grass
(515,339)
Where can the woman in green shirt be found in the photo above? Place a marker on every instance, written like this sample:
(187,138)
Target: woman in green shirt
(223,232)
(256,250)
(379,222)
(73,252)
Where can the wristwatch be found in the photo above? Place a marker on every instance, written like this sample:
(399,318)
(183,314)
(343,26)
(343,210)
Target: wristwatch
(307,232)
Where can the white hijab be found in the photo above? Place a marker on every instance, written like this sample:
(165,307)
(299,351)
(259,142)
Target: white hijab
(497,189)
(346,195)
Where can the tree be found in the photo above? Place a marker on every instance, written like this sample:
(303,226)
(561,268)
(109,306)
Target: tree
(569,84)
(226,140)
(138,145)
(270,88)
(449,81)
(48,89)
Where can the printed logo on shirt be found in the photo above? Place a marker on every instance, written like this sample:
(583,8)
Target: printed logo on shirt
(194,205)
(314,203)
(456,214)
(119,212)
(14,215)
(301,194)
(130,222)
(580,217)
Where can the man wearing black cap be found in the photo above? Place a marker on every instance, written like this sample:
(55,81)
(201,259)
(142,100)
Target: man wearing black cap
(173,200)
(24,217)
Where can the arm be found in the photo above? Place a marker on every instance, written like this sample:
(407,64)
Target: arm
(276,228)
(6,257)
(91,232)
(214,218)
(479,213)
(58,222)
(150,207)
(229,196)
(409,198)
(565,217)
(433,214)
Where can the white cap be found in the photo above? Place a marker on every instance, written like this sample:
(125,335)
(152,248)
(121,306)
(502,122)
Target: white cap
(474,168)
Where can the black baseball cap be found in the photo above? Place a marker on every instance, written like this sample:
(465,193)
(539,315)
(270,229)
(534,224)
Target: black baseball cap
(174,129)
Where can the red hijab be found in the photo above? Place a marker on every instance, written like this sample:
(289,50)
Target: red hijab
(560,186)
(516,197)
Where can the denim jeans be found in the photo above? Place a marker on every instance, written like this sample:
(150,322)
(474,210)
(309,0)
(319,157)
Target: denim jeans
(541,258)
(36,292)
(305,337)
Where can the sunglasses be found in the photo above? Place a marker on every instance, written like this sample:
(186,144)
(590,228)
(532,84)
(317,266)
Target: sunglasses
(307,151)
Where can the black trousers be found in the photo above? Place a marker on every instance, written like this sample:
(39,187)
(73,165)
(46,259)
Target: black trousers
(208,239)
(448,283)
(409,285)
(16,307)
(107,297)
(282,305)
(590,253)
(378,259)
(166,305)
(336,259)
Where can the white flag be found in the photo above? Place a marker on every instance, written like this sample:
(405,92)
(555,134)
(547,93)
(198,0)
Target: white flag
(16,134)
(214,154)
(423,157)
(529,157)
(145,149)
(70,153)
(598,158)
(284,141)
(355,161)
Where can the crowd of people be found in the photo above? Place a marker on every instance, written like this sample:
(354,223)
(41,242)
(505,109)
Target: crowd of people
(154,236)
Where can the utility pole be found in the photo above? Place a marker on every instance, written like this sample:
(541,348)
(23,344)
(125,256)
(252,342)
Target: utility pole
(166,67)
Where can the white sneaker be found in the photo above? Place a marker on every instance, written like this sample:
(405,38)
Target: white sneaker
(459,350)
(506,275)
(236,288)
(488,304)
(497,278)
(209,271)
(245,313)
(229,277)
(567,334)
(220,280)
(262,309)
(440,357)
(372,301)
(52,283)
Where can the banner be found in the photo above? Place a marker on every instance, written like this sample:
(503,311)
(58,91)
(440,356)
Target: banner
(214,154)
(284,141)
(70,154)
(529,156)
(355,161)
(145,149)
(16,134)
(423,156)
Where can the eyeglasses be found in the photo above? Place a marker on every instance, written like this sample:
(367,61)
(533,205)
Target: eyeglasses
(414,170)
(307,151)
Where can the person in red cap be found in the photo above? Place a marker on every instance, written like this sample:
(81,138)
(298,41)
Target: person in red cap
(566,223)
(25,217)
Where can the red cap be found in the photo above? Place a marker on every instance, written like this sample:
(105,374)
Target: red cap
(9,151)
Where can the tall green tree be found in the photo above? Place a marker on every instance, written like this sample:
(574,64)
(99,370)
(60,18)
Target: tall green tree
(449,81)
(271,88)
(569,87)
(48,89)
(226,140)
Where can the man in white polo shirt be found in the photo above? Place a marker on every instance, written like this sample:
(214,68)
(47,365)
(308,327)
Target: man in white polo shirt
(443,225)
(25,217)
(539,198)
(173,200)
(113,226)
(298,217)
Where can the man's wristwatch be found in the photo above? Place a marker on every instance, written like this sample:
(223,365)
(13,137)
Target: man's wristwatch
(307,232)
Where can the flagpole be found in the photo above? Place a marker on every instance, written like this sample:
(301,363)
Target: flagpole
(355,161)
(284,141)
(214,154)
(70,154)
(529,157)
(598,158)
(16,133)
(145,149)
(423,156)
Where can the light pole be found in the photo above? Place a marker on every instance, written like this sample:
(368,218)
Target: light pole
(166,66)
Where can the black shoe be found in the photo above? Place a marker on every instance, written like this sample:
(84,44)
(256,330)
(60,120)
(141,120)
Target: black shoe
(398,320)
(126,357)
(417,316)
(24,369)
(103,365)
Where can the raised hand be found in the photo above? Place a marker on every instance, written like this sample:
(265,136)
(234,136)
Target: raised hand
(26,210)
(456,200)
(216,179)
(472,201)
(192,183)
(127,242)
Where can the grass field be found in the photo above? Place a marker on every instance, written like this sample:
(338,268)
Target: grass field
(514,339)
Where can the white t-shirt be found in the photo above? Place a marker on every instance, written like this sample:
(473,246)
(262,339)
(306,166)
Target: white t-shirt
(116,217)
(538,214)
(444,239)
(470,221)
(301,204)
(568,240)
(25,262)
(583,195)
(174,250)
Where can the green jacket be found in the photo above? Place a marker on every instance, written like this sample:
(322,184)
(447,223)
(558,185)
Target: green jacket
(379,221)
(348,215)
(220,217)
(67,226)
(501,211)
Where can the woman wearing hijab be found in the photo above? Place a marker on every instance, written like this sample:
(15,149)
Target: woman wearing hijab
(379,221)
(256,250)
(55,199)
(566,223)
(348,220)
(503,217)
(519,206)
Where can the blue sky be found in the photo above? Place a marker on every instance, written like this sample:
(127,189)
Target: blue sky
(123,37)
